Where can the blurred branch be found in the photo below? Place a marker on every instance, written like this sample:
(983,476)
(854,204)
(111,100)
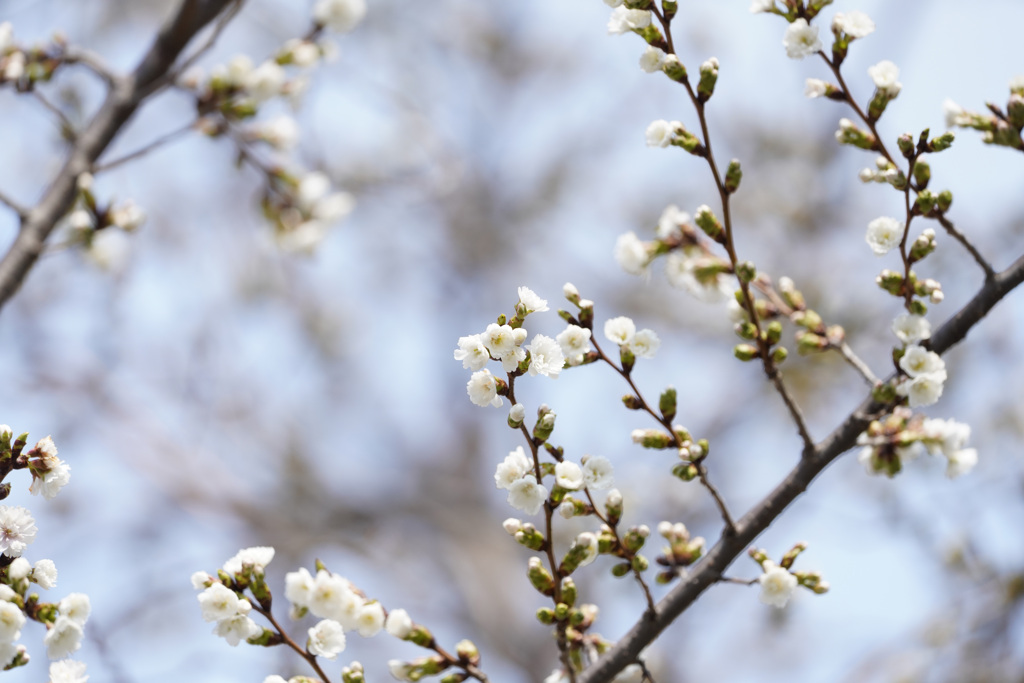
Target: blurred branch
(145,149)
(13,205)
(126,95)
(959,237)
(710,570)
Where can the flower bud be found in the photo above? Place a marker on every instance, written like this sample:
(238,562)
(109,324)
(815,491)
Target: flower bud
(708,79)
(922,173)
(944,201)
(667,403)
(733,176)
(674,69)
(745,352)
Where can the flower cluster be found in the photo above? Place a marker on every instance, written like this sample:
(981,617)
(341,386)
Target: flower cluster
(1000,125)
(690,264)
(902,436)
(779,583)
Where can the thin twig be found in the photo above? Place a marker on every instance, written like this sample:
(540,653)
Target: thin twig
(959,237)
(145,149)
(854,360)
(67,128)
(741,582)
(13,205)
(91,61)
(618,542)
(723,510)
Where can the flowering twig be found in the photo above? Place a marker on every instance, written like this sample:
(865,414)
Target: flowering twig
(730,525)
(302,652)
(125,96)
(711,567)
(233,7)
(618,542)
(91,61)
(145,149)
(770,366)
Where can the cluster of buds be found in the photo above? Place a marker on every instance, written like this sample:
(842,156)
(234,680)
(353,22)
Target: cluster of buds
(1002,126)
(779,582)
(681,551)
(302,208)
(902,436)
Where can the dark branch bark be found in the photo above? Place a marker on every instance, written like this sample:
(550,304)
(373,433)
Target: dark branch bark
(125,96)
(711,568)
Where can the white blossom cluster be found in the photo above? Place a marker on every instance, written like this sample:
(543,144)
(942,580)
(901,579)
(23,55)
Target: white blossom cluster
(886,445)
(688,266)
(517,475)
(777,585)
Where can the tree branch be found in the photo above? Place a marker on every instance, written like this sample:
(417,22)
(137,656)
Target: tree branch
(126,95)
(711,568)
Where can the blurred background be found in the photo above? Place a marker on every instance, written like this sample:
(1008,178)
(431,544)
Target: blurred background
(212,392)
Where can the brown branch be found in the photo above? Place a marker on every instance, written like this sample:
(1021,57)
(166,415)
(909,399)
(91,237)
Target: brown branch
(710,569)
(959,237)
(126,95)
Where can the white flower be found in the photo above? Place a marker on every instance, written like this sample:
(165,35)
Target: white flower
(280,132)
(219,602)
(669,222)
(400,670)
(19,569)
(298,587)
(597,472)
(855,24)
(236,629)
(15,67)
(570,292)
(884,233)
(63,638)
(265,81)
(68,671)
(11,621)
(326,639)
(645,344)
(955,114)
(624,20)
(531,301)
(527,495)
(512,526)
(45,574)
(370,619)
(76,607)
(761,6)
(660,133)
(200,580)
(503,343)
(652,59)
(332,598)
(587,540)
(961,462)
(546,357)
(17,530)
(258,557)
(567,509)
(472,352)
(945,436)
(620,330)
(80,219)
(1017,82)
(398,623)
(801,39)
(692,274)
(815,87)
(517,413)
(568,475)
(631,253)
(777,585)
(483,389)
(575,343)
(885,75)
(923,390)
(127,216)
(917,361)
(911,328)
(339,15)
(513,468)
